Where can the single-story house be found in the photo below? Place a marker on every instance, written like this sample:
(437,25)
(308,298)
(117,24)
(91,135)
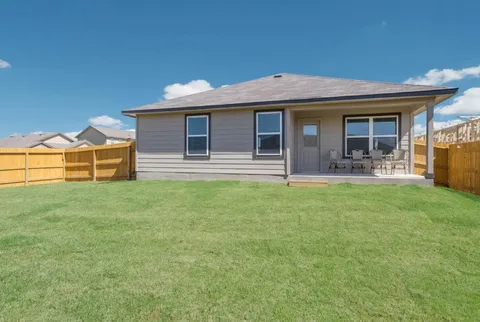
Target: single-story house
(48,140)
(100,135)
(283,127)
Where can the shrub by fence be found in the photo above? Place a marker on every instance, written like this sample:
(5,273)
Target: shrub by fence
(38,166)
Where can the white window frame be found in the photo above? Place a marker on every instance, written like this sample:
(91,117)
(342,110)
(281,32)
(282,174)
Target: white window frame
(370,135)
(207,135)
(257,133)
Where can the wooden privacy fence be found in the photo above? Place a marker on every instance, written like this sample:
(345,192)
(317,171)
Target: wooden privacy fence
(456,165)
(440,162)
(464,167)
(38,166)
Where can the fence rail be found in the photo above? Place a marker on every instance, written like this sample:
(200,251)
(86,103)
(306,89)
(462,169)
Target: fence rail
(20,167)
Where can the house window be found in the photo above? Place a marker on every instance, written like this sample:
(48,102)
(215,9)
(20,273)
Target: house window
(310,135)
(197,138)
(268,133)
(371,133)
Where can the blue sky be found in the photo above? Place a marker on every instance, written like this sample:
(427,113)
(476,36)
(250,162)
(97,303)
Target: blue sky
(64,64)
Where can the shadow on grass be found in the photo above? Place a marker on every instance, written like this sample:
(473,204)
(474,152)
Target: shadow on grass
(112,182)
(466,195)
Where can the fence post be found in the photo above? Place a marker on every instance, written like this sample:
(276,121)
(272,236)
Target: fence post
(26,167)
(129,160)
(429,174)
(64,161)
(94,165)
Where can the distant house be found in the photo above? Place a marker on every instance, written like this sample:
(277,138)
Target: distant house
(457,133)
(49,140)
(98,135)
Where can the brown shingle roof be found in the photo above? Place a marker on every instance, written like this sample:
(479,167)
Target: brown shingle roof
(290,88)
(111,132)
(28,140)
(73,144)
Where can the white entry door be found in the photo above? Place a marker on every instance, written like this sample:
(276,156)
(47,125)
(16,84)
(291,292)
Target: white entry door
(309,145)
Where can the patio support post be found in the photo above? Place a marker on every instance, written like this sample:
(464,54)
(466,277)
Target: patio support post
(288,143)
(411,150)
(429,174)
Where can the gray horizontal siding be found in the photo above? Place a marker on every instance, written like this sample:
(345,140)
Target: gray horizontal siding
(212,166)
(207,176)
(213,171)
(160,145)
(232,131)
(93,136)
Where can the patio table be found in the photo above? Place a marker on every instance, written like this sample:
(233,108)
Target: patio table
(387,157)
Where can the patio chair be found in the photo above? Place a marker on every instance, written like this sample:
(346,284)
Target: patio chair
(399,157)
(358,160)
(336,161)
(377,161)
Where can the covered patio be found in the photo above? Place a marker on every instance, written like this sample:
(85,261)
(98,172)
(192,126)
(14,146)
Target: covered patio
(314,131)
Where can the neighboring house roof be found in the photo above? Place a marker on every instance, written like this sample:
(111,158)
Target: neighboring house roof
(111,133)
(30,140)
(73,144)
(290,89)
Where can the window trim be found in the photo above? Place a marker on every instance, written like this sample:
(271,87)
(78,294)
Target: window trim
(256,153)
(370,136)
(186,154)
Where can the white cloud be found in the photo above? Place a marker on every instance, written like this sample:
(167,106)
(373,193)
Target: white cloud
(179,90)
(419,129)
(468,103)
(37,132)
(105,120)
(4,64)
(439,77)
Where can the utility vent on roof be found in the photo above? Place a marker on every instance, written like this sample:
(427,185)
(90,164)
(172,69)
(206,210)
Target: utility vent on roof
(277,76)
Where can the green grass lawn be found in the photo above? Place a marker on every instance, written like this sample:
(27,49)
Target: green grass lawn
(238,251)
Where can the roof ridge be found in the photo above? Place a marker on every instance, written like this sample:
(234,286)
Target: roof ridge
(106,127)
(52,135)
